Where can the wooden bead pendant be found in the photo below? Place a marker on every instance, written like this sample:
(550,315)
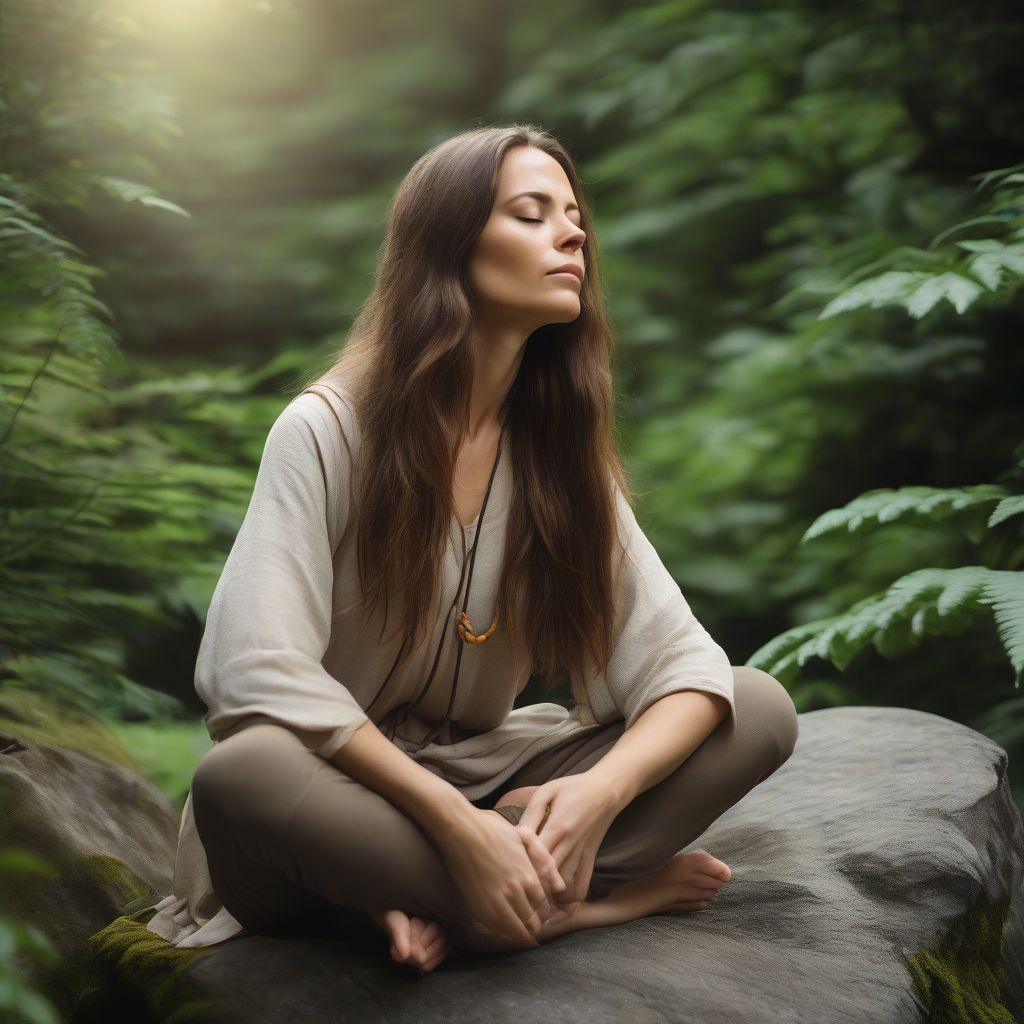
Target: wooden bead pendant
(466,630)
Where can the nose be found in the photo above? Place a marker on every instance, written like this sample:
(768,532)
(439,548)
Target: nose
(574,238)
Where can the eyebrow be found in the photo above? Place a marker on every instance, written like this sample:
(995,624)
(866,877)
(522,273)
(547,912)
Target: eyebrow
(543,197)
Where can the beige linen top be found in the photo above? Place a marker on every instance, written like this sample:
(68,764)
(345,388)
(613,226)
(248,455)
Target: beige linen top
(283,641)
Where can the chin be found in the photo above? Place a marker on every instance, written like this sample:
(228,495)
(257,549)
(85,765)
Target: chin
(565,315)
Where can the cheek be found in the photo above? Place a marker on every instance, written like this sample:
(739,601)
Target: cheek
(517,249)
(508,263)
(508,267)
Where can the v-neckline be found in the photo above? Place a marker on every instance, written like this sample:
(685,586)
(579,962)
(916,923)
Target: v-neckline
(495,488)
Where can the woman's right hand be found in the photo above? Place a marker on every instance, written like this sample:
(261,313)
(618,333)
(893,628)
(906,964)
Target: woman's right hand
(506,875)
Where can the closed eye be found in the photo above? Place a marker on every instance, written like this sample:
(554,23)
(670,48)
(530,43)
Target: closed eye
(529,220)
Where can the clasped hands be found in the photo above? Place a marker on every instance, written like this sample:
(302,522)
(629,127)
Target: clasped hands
(571,815)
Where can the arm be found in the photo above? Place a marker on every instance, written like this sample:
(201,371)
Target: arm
(661,739)
(371,758)
(261,658)
(666,679)
(269,622)
(660,646)
(502,875)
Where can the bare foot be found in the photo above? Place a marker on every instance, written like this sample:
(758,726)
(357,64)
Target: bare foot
(414,940)
(689,881)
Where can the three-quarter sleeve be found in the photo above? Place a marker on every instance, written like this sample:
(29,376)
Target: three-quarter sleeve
(659,645)
(269,620)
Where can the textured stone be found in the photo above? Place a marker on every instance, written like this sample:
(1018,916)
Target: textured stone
(878,878)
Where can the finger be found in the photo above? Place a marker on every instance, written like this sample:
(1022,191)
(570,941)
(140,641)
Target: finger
(524,921)
(583,877)
(431,950)
(428,933)
(527,903)
(536,811)
(506,923)
(543,860)
(548,903)
(402,939)
(571,872)
(434,961)
(424,932)
(518,931)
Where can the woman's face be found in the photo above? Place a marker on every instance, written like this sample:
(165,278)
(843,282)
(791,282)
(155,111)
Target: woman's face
(526,238)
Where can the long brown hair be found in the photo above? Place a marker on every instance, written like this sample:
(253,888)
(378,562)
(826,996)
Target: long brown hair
(408,365)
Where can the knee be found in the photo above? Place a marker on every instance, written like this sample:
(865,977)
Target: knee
(235,779)
(771,708)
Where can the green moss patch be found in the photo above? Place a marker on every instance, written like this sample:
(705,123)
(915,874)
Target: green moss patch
(126,972)
(960,982)
(57,724)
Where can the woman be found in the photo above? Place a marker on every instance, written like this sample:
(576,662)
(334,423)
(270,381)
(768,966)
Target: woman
(454,476)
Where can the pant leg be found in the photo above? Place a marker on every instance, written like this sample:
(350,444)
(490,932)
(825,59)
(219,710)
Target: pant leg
(289,836)
(670,815)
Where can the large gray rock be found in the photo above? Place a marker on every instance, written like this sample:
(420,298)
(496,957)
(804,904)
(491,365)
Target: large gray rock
(105,831)
(851,866)
(101,835)
(875,876)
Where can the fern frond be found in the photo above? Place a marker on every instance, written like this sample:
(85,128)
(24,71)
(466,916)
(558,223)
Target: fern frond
(928,602)
(884,505)
(1007,507)
(1004,592)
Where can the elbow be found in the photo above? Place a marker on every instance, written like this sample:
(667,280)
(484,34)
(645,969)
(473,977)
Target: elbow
(722,706)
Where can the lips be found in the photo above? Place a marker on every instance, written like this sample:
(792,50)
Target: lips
(569,268)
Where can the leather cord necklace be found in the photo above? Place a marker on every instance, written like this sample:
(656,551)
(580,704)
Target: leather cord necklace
(465,630)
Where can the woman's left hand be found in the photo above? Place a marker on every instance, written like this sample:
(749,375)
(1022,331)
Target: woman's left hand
(579,810)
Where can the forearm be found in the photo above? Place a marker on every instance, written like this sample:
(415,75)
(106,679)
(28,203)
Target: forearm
(659,741)
(370,758)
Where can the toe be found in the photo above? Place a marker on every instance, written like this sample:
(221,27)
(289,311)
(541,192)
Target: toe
(716,868)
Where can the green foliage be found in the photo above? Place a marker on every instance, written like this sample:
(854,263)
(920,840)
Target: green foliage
(20,1003)
(928,602)
(921,505)
(114,520)
(819,315)
(777,188)
(943,273)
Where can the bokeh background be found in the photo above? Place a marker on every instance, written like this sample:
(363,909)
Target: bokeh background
(812,222)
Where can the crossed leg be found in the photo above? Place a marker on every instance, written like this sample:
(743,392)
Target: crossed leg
(286,832)
(641,868)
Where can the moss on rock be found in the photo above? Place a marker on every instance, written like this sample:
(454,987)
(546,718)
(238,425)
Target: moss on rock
(55,723)
(107,870)
(960,982)
(125,972)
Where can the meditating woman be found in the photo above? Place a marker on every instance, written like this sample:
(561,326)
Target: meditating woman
(439,517)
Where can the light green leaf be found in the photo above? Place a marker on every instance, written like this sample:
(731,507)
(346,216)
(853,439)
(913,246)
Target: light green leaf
(884,290)
(959,290)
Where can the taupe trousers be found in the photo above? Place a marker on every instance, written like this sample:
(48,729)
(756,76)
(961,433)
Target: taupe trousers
(290,838)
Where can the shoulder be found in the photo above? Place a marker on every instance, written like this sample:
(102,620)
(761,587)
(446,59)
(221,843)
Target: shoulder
(321,416)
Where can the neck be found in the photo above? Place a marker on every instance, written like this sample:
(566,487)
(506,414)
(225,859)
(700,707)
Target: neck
(497,353)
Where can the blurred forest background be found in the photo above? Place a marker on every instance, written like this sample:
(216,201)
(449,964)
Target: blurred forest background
(812,222)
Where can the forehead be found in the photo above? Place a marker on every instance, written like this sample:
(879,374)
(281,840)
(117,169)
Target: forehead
(525,168)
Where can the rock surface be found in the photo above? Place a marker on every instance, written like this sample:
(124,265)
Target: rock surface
(103,835)
(875,877)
